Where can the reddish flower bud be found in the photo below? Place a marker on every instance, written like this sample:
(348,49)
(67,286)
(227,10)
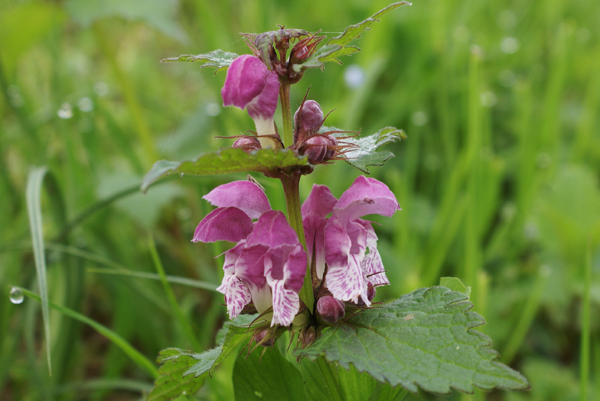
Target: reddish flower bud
(330,309)
(308,119)
(304,49)
(247,143)
(261,335)
(319,148)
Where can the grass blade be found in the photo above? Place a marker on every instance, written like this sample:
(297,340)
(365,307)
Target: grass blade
(119,341)
(185,325)
(34,212)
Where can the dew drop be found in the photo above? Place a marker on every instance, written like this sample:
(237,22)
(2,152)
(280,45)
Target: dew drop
(85,104)
(509,45)
(488,99)
(419,118)
(16,296)
(354,76)
(213,109)
(101,89)
(65,112)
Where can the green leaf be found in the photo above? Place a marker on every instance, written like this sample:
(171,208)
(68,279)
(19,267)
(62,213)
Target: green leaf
(424,339)
(211,358)
(218,59)
(172,383)
(339,46)
(267,376)
(353,32)
(362,152)
(454,284)
(330,382)
(182,368)
(266,161)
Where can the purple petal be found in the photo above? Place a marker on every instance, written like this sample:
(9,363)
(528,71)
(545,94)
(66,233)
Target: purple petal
(272,230)
(314,233)
(250,84)
(286,304)
(337,244)
(373,269)
(224,224)
(264,105)
(250,266)
(285,268)
(237,295)
(366,196)
(244,195)
(246,264)
(320,202)
(347,282)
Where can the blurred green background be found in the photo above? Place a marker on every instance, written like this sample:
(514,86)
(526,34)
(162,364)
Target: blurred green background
(498,180)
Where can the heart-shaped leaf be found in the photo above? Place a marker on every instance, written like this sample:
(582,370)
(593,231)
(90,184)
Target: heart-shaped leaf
(424,339)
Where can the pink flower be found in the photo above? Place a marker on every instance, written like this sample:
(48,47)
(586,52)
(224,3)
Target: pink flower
(268,263)
(250,85)
(349,243)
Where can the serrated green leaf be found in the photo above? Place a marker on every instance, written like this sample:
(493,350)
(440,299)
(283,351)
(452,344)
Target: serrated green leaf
(211,358)
(455,284)
(172,383)
(267,376)
(362,152)
(266,161)
(424,339)
(354,31)
(218,59)
(181,369)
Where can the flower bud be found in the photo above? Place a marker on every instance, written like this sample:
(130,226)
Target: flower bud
(319,148)
(260,336)
(247,143)
(330,309)
(309,116)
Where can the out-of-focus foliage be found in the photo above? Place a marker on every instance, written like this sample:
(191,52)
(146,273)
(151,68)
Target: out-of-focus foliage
(498,179)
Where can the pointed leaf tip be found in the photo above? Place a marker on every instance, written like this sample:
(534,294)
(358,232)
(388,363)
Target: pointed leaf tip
(424,339)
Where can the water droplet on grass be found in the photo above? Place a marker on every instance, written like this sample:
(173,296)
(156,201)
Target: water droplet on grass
(213,109)
(101,89)
(509,45)
(65,112)
(16,296)
(85,104)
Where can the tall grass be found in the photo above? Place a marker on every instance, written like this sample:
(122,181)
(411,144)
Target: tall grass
(498,179)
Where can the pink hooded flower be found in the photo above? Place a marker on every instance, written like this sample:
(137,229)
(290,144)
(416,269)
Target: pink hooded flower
(267,265)
(250,85)
(349,243)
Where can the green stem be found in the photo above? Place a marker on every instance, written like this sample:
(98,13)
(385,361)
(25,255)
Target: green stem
(291,187)
(286,112)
